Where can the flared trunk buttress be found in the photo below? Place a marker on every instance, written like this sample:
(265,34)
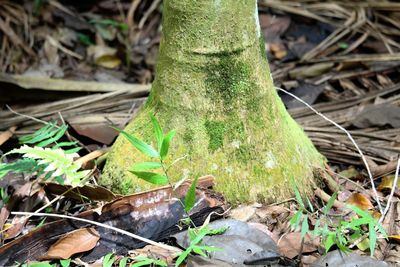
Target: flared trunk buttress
(213,85)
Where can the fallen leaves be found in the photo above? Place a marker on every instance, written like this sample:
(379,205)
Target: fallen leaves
(77,241)
(4,136)
(361,201)
(290,244)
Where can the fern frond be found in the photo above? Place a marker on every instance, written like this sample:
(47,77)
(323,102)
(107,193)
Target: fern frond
(57,163)
(50,133)
(25,165)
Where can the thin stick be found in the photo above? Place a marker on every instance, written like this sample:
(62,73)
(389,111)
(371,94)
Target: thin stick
(351,139)
(151,242)
(27,116)
(396,178)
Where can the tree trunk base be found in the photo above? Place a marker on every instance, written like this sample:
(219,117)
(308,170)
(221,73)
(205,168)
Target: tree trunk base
(213,86)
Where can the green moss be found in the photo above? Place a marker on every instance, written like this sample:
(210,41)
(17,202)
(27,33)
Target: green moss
(235,128)
(228,80)
(188,136)
(262,47)
(216,132)
(213,86)
(245,153)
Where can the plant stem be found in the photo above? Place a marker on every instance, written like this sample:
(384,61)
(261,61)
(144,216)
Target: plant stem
(165,170)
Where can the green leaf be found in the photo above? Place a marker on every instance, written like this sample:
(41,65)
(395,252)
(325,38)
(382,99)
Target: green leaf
(317,230)
(122,262)
(295,220)
(329,241)
(329,205)
(299,199)
(58,134)
(41,134)
(210,249)
(46,135)
(110,22)
(65,263)
(343,248)
(41,264)
(140,145)
(190,198)
(361,212)
(165,144)
(309,204)
(198,250)
(157,131)
(355,223)
(182,257)
(108,260)
(304,227)
(56,161)
(20,166)
(192,233)
(64,144)
(145,166)
(151,177)
(381,229)
(372,238)
(218,231)
(72,150)
(149,261)
(84,39)
(142,263)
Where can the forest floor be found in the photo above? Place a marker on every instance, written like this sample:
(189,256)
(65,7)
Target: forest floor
(77,68)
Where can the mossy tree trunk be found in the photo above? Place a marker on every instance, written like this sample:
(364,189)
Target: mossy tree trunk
(213,85)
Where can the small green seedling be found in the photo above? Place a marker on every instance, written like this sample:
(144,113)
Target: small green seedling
(109,260)
(144,171)
(344,232)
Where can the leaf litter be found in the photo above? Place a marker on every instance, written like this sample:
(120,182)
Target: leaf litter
(348,71)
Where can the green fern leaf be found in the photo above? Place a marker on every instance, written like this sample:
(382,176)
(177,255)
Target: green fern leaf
(20,166)
(57,163)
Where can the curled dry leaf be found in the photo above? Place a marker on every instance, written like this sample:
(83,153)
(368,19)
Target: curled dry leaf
(77,241)
(360,200)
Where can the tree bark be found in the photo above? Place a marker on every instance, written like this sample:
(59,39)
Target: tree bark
(214,86)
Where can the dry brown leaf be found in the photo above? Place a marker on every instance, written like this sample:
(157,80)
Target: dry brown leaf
(77,241)
(290,244)
(4,136)
(278,50)
(360,200)
(376,214)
